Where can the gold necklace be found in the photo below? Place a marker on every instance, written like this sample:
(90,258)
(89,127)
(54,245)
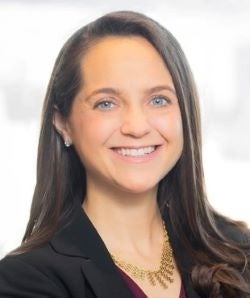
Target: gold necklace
(163,275)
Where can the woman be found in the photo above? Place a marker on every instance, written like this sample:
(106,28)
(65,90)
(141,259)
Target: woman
(119,208)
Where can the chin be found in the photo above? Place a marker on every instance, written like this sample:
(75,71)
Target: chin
(138,188)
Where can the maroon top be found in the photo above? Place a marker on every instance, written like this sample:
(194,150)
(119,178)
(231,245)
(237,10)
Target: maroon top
(137,291)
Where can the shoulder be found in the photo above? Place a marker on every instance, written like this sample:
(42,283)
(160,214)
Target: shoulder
(27,275)
(36,259)
(233,231)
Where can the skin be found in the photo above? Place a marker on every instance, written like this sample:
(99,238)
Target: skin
(133,114)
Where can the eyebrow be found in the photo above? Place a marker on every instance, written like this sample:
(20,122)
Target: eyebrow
(118,92)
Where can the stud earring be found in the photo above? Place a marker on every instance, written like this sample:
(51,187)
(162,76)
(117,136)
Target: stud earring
(67,143)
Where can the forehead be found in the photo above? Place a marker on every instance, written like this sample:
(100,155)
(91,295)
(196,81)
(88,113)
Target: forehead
(114,56)
(119,44)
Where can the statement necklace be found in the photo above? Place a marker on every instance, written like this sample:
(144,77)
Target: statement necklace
(163,275)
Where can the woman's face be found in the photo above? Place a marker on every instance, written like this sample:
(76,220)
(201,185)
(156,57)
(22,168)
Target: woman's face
(125,123)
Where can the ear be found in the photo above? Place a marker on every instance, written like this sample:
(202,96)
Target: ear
(62,127)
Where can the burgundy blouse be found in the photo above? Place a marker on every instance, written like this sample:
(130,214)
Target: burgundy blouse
(137,291)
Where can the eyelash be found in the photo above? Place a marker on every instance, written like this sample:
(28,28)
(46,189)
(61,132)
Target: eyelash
(101,105)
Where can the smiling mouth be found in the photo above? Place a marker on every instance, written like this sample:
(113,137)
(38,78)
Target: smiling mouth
(135,152)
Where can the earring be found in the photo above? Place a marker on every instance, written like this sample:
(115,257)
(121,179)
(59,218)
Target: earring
(67,143)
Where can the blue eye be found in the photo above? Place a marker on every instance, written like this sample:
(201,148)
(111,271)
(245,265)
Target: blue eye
(105,105)
(159,101)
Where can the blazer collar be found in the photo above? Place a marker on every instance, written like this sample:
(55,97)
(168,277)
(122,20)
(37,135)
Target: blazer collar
(80,238)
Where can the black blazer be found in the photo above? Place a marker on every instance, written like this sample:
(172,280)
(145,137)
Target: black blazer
(76,264)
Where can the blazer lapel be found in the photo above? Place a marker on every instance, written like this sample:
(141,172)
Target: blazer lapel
(80,238)
(105,284)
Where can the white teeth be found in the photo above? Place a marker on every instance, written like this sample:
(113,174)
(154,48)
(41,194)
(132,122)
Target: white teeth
(136,152)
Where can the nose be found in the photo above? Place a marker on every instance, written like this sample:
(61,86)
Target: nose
(135,123)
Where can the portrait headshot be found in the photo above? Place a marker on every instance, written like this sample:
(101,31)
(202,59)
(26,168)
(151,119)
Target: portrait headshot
(120,205)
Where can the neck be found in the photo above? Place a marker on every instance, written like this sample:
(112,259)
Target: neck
(132,218)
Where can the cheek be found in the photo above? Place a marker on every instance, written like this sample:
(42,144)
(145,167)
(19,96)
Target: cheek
(169,126)
(92,129)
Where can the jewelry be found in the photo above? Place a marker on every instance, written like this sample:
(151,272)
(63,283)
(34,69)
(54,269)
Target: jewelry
(163,275)
(67,143)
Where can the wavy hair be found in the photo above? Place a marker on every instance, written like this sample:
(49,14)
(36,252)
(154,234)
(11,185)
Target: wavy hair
(221,265)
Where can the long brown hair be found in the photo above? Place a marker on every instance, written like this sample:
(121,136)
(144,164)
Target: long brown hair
(221,265)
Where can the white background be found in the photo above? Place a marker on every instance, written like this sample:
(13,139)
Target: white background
(215,36)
